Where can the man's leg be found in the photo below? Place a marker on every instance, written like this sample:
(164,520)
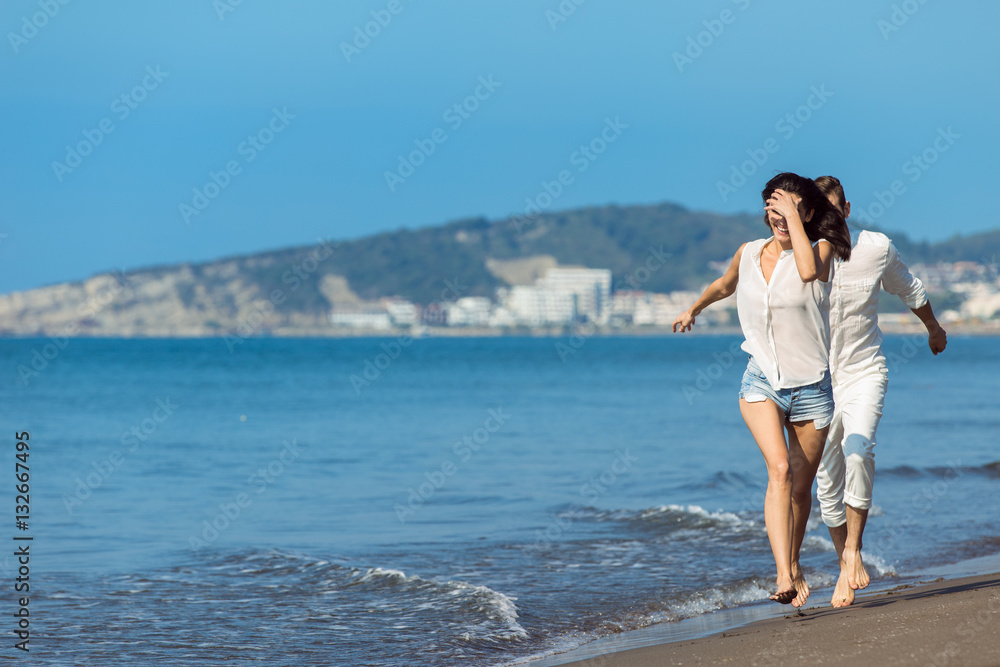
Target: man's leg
(861,412)
(805,449)
(852,565)
(830,492)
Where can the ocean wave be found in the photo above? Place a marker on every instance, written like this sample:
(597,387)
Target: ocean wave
(951,471)
(675,516)
(724,597)
(475,614)
(878,564)
(817,543)
(728,480)
(494,607)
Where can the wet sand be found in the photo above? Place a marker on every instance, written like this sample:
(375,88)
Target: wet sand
(946,622)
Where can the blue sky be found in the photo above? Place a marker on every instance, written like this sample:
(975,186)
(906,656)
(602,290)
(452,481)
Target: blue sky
(684,94)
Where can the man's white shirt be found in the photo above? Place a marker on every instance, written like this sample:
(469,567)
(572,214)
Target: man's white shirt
(856,340)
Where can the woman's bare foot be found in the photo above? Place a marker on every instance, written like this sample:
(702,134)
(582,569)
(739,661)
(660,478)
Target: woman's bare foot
(800,585)
(857,575)
(785,592)
(843,594)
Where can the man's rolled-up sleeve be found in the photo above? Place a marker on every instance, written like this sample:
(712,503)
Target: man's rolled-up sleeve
(897,279)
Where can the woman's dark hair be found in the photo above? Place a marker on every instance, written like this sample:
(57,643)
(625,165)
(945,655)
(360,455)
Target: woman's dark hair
(830,185)
(827,222)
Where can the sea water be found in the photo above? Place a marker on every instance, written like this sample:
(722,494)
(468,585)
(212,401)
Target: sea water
(467,501)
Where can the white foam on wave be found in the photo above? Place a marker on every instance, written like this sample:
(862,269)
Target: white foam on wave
(713,599)
(881,567)
(494,605)
(818,543)
(813,522)
(377,573)
(725,518)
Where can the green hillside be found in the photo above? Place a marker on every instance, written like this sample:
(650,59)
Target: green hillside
(415,263)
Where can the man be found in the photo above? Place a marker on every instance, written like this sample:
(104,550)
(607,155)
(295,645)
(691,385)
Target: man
(859,373)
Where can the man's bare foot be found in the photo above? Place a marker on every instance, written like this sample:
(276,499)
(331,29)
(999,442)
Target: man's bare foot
(843,594)
(857,575)
(785,592)
(800,585)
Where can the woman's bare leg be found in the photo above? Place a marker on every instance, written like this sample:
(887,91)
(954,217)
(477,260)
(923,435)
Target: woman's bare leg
(805,451)
(766,423)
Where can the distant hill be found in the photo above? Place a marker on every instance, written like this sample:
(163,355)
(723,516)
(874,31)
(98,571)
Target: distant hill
(292,290)
(414,264)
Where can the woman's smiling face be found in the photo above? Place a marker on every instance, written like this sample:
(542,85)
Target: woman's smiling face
(779,226)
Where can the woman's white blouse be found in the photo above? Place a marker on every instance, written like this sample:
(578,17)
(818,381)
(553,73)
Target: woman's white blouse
(786,322)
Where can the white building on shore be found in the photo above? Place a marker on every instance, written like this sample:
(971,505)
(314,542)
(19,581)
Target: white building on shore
(361,317)
(590,287)
(638,309)
(385,314)
(469,311)
(533,306)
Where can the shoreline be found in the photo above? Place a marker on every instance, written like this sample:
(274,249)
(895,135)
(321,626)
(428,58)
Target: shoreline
(985,330)
(947,615)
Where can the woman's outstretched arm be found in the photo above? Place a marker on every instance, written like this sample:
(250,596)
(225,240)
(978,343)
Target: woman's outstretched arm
(717,291)
(813,263)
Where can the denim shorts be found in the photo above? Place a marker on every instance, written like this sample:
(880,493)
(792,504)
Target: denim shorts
(811,402)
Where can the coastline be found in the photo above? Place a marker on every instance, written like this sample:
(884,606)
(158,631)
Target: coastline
(945,616)
(991,328)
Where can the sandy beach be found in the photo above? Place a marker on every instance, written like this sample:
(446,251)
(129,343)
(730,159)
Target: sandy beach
(953,622)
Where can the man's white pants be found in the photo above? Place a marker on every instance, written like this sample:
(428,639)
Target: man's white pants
(847,471)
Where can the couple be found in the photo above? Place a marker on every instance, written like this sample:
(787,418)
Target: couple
(807,303)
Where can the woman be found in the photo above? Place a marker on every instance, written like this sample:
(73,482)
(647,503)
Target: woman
(783,303)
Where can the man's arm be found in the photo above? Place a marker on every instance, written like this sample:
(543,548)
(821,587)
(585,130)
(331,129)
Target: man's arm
(937,339)
(897,279)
